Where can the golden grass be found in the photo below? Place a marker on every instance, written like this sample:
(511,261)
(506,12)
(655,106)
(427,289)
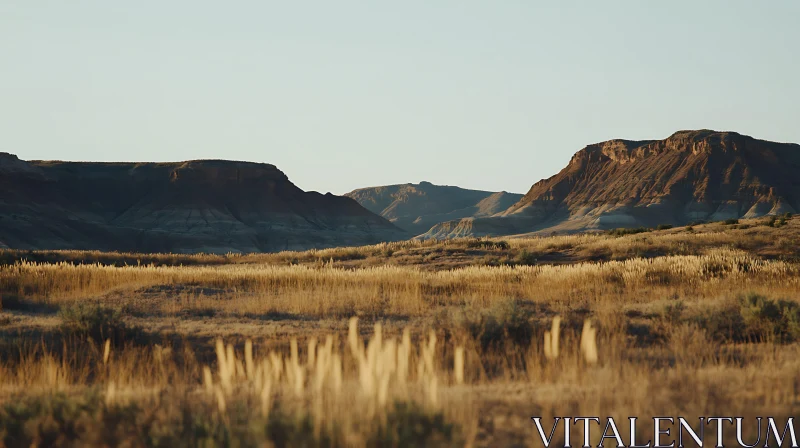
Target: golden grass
(753,236)
(346,391)
(467,353)
(403,291)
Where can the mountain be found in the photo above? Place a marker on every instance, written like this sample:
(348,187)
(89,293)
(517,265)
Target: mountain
(417,207)
(690,176)
(196,206)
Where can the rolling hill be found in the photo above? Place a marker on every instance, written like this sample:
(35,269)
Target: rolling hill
(417,207)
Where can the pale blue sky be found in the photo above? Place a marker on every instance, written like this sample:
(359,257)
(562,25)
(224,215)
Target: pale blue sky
(345,94)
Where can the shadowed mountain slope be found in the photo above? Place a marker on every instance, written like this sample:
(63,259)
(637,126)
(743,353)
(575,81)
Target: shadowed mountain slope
(416,207)
(690,176)
(196,206)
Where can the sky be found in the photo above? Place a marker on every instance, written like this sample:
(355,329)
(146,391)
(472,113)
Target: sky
(492,95)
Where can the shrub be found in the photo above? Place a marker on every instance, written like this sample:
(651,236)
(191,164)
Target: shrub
(506,322)
(87,419)
(755,318)
(731,221)
(61,420)
(724,325)
(284,429)
(768,319)
(771,221)
(488,244)
(664,227)
(625,231)
(673,313)
(348,255)
(525,258)
(410,425)
(778,221)
(94,322)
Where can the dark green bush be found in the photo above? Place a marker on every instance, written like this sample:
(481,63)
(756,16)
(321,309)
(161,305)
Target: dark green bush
(625,231)
(664,227)
(770,319)
(673,313)
(778,221)
(771,221)
(95,322)
(86,419)
(410,425)
(285,430)
(525,258)
(754,318)
(731,221)
(488,244)
(506,323)
(503,245)
(348,255)
(61,420)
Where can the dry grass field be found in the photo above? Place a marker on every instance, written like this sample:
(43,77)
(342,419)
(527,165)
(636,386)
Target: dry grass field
(452,343)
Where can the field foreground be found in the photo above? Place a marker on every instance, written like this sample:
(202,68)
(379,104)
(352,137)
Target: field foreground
(405,344)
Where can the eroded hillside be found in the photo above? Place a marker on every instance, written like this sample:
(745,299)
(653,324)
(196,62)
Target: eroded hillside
(690,176)
(197,206)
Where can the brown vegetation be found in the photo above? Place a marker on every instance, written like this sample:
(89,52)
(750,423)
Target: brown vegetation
(461,346)
(769,238)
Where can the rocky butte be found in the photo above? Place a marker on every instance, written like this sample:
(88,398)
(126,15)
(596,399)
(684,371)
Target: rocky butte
(690,176)
(213,206)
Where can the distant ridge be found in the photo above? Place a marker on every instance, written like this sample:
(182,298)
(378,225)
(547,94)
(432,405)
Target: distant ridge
(417,207)
(226,206)
(689,176)
(194,206)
